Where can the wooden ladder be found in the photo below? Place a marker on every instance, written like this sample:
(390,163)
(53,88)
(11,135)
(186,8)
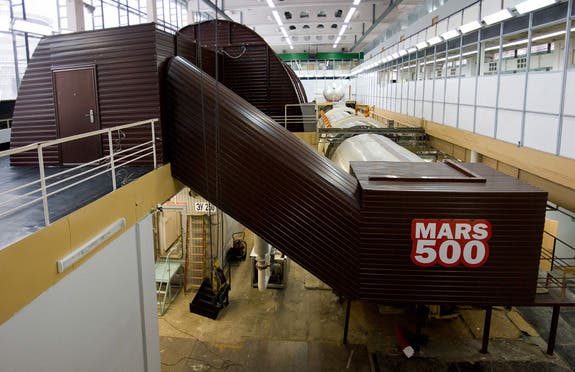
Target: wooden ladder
(196,250)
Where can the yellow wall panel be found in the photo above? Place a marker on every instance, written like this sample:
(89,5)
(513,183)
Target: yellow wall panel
(28,267)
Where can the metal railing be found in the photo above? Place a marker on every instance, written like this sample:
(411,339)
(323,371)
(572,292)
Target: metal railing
(5,123)
(307,119)
(558,264)
(49,185)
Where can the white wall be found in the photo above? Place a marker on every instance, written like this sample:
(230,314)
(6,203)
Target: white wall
(100,317)
(499,116)
(566,233)
(5,135)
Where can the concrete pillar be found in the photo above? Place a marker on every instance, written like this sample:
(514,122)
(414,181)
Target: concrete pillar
(152,10)
(475,157)
(75,13)
(193,9)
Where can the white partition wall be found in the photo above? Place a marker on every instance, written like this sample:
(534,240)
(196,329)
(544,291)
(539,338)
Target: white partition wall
(515,83)
(100,317)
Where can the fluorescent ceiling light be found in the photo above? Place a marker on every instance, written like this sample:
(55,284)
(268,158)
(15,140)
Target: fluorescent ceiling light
(334,46)
(342,30)
(525,41)
(356,2)
(402,52)
(471,26)
(499,16)
(421,45)
(271,3)
(337,40)
(450,34)
(284,32)
(434,40)
(291,46)
(395,55)
(349,15)
(277,17)
(389,58)
(31,27)
(412,50)
(531,5)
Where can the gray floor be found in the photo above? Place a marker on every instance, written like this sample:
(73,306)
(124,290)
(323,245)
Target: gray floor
(31,218)
(300,328)
(540,318)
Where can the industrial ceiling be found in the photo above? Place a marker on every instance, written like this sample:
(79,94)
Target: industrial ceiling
(314,26)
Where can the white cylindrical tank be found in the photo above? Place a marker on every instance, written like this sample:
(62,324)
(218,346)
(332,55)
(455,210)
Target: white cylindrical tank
(363,147)
(334,91)
(370,147)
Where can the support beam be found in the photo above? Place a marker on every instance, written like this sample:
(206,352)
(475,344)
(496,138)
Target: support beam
(346,326)
(392,5)
(152,11)
(553,330)
(75,13)
(486,329)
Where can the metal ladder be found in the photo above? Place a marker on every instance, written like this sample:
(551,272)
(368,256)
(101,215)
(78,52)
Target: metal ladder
(166,271)
(197,242)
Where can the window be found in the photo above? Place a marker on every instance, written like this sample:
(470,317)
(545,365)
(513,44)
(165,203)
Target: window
(490,64)
(521,63)
(492,67)
(469,60)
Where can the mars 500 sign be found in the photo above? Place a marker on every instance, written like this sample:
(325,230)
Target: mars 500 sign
(450,243)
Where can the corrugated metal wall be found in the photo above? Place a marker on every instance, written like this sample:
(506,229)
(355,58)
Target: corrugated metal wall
(126,60)
(204,58)
(235,156)
(250,67)
(258,173)
(515,210)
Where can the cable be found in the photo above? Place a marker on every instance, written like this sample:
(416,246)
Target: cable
(226,363)
(219,236)
(244,49)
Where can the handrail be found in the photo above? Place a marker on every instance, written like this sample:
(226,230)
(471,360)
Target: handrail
(295,118)
(58,141)
(554,260)
(86,171)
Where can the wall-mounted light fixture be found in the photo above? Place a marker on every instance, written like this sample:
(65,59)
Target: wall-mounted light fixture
(499,16)
(86,248)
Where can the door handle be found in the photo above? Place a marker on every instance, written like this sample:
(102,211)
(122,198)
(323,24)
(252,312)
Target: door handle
(91,115)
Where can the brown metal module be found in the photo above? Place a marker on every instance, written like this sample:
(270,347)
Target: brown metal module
(393,195)
(356,234)
(263,176)
(250,68)
(126,62)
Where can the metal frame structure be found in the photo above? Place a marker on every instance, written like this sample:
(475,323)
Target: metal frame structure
(77,174)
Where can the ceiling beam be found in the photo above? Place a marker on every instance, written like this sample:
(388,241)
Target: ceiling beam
(217,10)
(392,5)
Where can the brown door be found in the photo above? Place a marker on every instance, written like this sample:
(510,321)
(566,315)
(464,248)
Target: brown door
(76,107)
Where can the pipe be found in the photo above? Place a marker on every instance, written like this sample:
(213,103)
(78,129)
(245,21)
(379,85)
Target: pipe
(262,251)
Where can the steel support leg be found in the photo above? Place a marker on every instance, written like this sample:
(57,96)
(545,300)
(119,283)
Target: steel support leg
(486,329)
(420,316)
(553,330)
(346,326)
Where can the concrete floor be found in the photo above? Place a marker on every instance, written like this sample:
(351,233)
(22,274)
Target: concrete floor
(300,328)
